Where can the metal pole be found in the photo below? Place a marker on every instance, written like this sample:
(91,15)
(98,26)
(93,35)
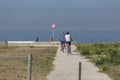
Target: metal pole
(79,70)
(29,67)
(53,34)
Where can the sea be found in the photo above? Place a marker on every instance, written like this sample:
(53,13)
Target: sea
(45,35)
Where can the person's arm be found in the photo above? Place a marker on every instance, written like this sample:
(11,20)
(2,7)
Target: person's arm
(59,37)
(64,38)
(71,38)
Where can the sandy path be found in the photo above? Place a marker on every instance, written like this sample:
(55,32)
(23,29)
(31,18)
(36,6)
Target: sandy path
(67,68)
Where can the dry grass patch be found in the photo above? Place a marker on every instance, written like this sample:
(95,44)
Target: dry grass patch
(17,69)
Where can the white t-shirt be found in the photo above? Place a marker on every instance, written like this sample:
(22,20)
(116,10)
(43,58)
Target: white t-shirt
(67,37)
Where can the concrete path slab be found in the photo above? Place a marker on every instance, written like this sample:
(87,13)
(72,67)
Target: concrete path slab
(67,68)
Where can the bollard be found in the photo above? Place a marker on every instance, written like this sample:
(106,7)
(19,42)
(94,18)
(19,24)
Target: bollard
(29,67)
(79,70)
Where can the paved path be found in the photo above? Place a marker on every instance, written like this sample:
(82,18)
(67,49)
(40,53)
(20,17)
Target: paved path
(67,68)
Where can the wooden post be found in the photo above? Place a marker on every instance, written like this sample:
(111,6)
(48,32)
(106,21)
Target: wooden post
(29,67)
(79,70)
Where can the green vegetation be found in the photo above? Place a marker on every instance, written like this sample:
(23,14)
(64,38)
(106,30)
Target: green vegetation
(17,69)
(106,56)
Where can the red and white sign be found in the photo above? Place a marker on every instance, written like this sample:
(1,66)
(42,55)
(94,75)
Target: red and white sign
(53,26)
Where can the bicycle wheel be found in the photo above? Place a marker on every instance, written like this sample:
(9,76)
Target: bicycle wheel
(68,50)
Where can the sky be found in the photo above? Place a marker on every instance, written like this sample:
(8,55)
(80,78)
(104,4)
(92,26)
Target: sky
(73,15)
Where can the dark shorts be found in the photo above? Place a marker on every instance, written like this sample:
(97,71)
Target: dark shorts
(62,42)
(68,43)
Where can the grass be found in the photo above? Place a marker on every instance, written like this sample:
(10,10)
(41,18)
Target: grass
(105,56)
(17,69)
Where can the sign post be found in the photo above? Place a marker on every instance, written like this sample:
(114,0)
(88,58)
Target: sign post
(53,28)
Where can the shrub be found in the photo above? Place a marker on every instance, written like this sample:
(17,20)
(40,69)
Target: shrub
(98,51)
(105,68)
(116,45)
(99,45)
(100,61)
(85,51)
(113,56)
(78,47)
(37,39)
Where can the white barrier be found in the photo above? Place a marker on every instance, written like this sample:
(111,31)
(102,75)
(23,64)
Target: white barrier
(31,43)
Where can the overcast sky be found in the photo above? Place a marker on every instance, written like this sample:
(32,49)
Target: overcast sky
(77,15)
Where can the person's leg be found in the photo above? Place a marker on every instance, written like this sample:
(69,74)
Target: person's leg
(62,46)
(70,47)
(67,47)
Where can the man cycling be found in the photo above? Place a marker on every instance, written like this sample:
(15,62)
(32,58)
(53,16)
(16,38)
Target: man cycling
(68,40)
(62,40)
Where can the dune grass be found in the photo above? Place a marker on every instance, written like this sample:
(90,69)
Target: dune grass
(106,56)
(17,69)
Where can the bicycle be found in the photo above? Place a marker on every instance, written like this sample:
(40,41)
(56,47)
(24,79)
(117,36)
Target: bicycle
(68,48)
(62,46)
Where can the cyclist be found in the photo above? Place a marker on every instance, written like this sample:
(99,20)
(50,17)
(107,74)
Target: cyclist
(68,40)
(62,40)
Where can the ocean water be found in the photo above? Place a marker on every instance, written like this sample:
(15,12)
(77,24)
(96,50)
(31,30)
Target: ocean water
(78,36)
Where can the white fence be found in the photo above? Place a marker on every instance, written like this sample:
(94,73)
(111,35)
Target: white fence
(31,43)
